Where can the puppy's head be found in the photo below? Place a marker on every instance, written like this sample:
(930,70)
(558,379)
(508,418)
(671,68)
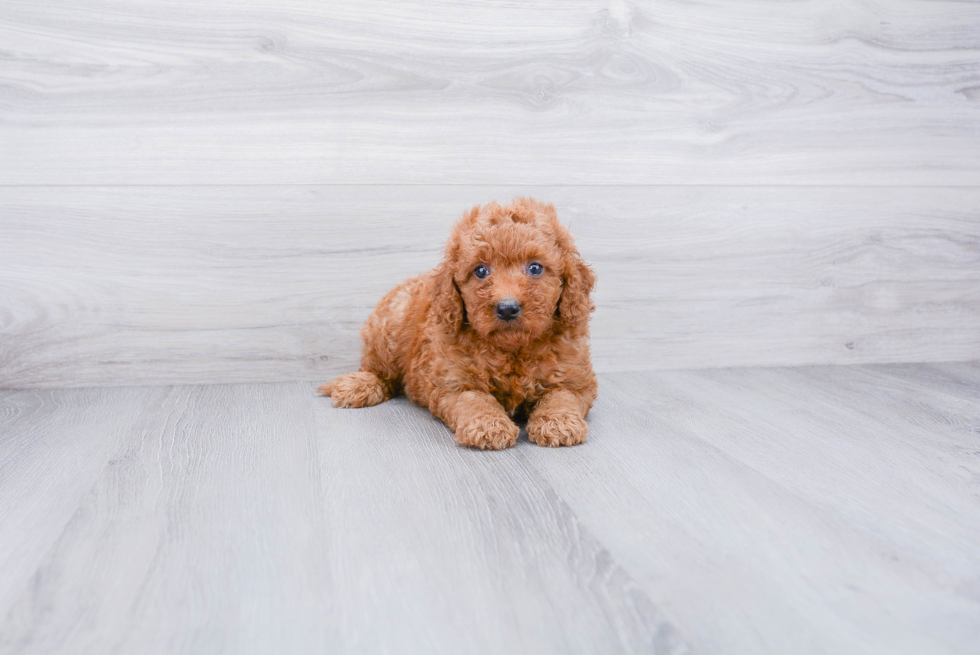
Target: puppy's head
(512,274)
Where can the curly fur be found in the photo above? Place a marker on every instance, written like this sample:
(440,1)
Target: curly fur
(437,339)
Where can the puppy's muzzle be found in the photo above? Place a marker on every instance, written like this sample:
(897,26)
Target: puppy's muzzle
(508,309)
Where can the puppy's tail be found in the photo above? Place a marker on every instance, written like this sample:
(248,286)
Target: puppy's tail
(359,389)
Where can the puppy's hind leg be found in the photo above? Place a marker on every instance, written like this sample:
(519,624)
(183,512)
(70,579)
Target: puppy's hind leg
(380,376)
(373,384)
(359,389)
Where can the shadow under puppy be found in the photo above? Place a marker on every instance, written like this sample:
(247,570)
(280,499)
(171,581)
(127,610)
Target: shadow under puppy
(498,330)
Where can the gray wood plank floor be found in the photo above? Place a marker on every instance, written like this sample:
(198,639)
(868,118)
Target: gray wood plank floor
(805,510)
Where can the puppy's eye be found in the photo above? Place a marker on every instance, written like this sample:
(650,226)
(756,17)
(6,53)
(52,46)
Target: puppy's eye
(481,271)
(535,269)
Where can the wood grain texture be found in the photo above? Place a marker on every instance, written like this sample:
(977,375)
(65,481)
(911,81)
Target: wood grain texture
(960,380)
(586,92)
(231,284)
(53,446)
(258,519)
(788,510)
(805,510)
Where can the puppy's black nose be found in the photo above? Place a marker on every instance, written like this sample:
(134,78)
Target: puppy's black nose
(508,309)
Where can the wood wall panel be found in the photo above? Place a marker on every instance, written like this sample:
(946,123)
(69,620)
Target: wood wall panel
(124,285)
(219,191)
(586,92)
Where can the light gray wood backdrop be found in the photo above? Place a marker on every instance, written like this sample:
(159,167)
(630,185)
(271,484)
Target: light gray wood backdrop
(219,191)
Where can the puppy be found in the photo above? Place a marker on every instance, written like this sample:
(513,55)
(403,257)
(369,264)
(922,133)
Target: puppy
(498,331)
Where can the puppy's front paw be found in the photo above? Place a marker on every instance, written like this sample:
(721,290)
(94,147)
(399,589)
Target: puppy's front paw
(566,428)
(488,433)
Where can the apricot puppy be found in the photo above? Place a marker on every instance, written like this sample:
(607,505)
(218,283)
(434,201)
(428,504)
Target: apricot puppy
(499,330)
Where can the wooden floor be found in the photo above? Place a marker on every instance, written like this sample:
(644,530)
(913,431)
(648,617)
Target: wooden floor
(803,510)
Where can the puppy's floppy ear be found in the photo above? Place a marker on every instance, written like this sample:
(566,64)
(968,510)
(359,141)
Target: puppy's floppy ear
(447,303)
(578,280)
